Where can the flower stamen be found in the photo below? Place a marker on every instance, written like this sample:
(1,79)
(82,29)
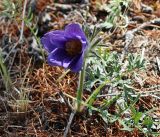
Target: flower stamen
(73,47)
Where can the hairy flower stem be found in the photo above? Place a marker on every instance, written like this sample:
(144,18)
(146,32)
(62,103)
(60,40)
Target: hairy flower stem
(80,88)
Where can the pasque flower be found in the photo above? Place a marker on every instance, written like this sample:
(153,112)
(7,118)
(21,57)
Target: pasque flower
(67,47)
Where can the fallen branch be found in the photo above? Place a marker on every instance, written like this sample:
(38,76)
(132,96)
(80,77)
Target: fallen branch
(69,123)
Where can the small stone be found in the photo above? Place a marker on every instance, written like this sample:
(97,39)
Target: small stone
(147,9)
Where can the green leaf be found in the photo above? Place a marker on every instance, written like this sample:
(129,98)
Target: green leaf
(93,96)
(148,122)
(107,25)
(125,126)
(108,103)
(136,117)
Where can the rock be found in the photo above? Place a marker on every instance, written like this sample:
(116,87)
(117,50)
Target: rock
(147,9)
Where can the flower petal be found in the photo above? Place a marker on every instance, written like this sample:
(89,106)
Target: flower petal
(84,44)
(77,63)
(53,40)
(59,57)
(74,29)
(57,32)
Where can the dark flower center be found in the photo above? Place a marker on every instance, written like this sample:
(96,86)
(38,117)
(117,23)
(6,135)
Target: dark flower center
(73,47)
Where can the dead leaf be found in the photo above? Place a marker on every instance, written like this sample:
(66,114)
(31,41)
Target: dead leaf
(137,4)
(157,12)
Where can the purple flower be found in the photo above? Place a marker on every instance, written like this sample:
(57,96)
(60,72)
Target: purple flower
(66,47)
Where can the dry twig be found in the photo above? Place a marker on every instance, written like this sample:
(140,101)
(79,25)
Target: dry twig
(22,25)
(69,123)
